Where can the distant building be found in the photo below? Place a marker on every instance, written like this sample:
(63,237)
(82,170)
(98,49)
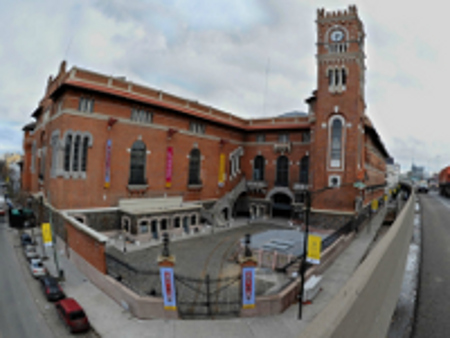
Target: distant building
(417,173)
(392,173)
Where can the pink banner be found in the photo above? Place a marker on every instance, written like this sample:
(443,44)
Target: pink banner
(169,167)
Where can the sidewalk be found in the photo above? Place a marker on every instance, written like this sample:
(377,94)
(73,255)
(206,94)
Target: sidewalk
(111,320)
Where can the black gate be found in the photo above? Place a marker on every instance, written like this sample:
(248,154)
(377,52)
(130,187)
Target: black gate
(199,298)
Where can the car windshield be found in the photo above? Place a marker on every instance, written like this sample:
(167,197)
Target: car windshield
(77,315)
(38,265)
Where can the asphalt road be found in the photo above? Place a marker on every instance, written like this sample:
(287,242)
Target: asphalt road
(19,316)
(433,315)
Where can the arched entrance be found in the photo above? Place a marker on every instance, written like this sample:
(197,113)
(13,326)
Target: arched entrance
(281,205)
(241,206)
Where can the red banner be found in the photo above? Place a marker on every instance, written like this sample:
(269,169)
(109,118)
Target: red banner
(169,167)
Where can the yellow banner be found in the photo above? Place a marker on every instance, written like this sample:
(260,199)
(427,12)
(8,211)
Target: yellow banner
(222,164)
(46,234)
(314,249)
(385,198)
(375,205)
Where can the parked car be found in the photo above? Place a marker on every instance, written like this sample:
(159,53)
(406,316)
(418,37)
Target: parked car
(25,239)
(37,268)
(51,288)
(30,252)
(72,314)
(3,206)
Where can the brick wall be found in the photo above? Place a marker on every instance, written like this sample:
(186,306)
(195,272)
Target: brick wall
(87,247)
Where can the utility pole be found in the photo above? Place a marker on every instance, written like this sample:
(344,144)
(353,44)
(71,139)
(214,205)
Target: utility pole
(55,255)
(305,250)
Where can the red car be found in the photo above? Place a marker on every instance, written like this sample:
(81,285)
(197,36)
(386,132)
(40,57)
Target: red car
(72,314)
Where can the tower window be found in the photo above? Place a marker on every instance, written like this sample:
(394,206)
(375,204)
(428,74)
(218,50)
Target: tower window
(336,142)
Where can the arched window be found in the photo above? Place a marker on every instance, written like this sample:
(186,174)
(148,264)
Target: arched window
(67,149)
(336,143)
(304,170)
(137,163)
(343,77)
(76,152)
(194,166)
(193,220)
(282,171)
(258,168)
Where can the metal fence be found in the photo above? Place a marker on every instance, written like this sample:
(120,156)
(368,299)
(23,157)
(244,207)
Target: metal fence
(208,298)
(196,297)
(143,282)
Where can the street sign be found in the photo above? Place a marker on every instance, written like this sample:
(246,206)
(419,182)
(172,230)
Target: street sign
(46,234)
(314,249)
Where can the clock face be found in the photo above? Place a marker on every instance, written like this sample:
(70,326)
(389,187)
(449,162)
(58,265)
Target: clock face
(337,35)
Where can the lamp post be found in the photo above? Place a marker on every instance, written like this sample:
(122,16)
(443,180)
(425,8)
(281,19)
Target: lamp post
(302,268)
(307,202)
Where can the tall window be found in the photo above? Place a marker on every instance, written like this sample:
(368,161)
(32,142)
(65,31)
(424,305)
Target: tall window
(304,170)
(67,150)
(282,171)
(194,166)
(336,143)
(137,163)
(76,152)
(84,154)
(258,168)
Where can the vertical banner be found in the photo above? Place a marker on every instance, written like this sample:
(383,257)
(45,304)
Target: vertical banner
(375,205)
(222,164)
(314,249)
(169,167)
(108,164)
(168,288)
(46,234)
(248,288)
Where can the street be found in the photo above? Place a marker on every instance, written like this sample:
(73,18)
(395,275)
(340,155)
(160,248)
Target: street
(434,286)
(19,315)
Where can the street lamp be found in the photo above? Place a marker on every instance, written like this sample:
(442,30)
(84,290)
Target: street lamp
(307,201)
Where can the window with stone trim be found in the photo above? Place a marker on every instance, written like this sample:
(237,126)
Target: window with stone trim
(258,168)
(194,167)
(197,127)
(282,178)
(141,115)
(336,126)
(304,170)
(86,104)
(137,163)
(75,155)
(67,152)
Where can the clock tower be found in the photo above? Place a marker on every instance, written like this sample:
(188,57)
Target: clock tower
(338,113)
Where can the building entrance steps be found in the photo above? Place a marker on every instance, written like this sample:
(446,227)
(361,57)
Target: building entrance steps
(110,319)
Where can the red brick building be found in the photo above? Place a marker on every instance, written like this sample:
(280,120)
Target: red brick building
(99,139)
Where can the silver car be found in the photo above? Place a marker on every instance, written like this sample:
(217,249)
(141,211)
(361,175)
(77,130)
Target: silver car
(37,267)
(30,252)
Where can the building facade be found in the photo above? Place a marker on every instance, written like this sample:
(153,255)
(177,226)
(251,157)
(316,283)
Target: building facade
(98,140)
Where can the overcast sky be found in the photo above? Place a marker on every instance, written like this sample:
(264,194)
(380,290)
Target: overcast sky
(252,58)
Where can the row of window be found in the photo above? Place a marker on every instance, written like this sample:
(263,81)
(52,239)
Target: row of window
(337,76)
(282,172)
(284,137)
(337,47)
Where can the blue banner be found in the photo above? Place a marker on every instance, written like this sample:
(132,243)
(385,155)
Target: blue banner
(168,288)
(108,164)
(248,288)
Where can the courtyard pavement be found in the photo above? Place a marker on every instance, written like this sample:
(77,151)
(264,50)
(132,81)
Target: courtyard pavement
(111,320)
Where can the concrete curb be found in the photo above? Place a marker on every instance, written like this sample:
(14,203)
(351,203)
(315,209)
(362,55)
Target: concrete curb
(403,319)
